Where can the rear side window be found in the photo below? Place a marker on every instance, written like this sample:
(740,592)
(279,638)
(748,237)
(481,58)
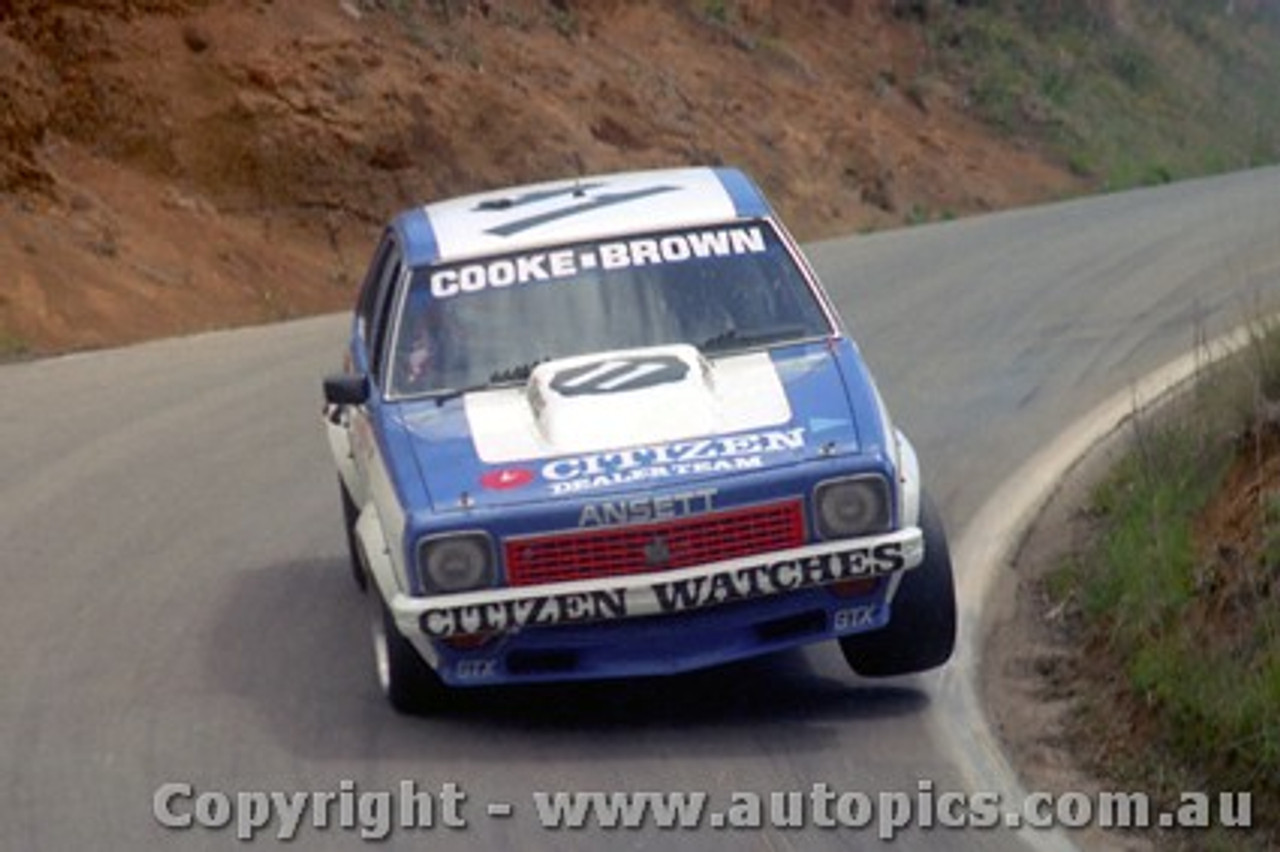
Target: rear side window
(376,298)
(366,310)
(382,324)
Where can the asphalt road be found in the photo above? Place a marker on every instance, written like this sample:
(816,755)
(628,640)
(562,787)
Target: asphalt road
(176,606)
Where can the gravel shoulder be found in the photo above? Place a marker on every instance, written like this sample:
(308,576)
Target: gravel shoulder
(1031,676)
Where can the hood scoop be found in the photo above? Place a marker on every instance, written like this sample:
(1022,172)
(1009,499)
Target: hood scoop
(623,398)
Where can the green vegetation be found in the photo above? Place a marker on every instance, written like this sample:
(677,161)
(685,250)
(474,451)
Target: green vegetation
(564,20)
(12,346)
(1131,93)
(919,214)
(716,11)
(1181,603)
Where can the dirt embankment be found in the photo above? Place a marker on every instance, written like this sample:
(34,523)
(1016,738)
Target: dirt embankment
(174,165)
(1064,701)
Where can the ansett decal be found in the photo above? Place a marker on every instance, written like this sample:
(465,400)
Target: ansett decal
(680,458)
(559,264)
(672,595)
(644,509)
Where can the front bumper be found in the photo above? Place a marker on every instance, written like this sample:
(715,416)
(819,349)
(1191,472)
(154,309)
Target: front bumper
(724,611)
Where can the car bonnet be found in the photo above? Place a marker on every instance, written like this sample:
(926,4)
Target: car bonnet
(749,412)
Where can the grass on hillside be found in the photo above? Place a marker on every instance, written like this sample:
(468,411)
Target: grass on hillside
(1185,624)
(1129,94)
(12,347)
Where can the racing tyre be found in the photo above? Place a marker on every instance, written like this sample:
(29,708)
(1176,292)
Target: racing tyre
(921,633)
(350,514)
(409,683)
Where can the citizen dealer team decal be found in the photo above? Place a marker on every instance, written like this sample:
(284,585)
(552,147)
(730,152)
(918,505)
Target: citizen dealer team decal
(575,474)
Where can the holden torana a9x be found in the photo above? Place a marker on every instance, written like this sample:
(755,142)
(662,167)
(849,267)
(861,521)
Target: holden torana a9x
(613,427)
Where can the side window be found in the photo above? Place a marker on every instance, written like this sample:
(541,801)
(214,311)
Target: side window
(367,307)
(383,307)
(376,298)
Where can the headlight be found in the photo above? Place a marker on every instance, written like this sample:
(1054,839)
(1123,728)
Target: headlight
(852,507)
(456,563)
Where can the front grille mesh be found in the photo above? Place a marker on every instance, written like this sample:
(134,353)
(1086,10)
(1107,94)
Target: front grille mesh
(659,546)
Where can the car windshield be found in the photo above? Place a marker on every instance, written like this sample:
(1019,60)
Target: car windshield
(492,320)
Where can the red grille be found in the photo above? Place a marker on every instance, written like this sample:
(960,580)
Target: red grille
(636,549)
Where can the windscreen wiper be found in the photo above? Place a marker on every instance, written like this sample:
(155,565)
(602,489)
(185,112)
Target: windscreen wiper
(519,373)
(733,338)
(497,378)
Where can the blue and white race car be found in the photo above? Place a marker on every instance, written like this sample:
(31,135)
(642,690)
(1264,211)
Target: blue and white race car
(613,427)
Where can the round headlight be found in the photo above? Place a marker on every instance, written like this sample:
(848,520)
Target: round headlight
(852,507)
(456,563)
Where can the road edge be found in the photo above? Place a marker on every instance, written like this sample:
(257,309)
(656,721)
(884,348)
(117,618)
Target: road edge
(987,546)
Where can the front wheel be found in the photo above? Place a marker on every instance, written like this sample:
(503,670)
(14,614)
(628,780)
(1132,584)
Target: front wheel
(921,633)
(412,686)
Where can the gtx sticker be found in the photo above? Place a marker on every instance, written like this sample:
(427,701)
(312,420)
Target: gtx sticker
(538,267)
(643,509)
(476,669)
(661,461)
(668,596)
(616,375)
(864,617)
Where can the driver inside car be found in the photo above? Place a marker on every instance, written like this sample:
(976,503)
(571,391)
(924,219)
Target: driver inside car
(420,352)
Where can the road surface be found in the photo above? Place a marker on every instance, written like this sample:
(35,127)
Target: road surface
(177,609)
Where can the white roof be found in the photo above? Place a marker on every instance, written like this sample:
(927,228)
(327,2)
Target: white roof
(587,208)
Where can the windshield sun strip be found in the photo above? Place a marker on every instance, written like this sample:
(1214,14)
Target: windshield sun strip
(804,273)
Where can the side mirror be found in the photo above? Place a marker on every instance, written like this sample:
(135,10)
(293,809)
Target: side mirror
(346,389)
